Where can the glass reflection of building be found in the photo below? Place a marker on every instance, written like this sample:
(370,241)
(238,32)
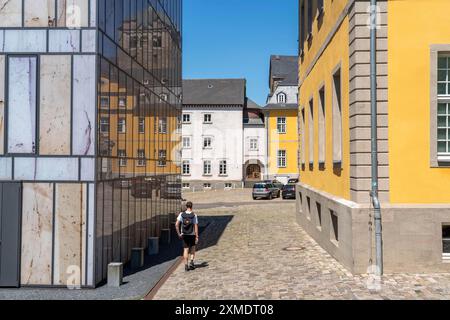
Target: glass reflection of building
(115,158)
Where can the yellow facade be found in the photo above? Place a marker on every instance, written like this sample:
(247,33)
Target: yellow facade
(282,141)
(409,39)
(328,179)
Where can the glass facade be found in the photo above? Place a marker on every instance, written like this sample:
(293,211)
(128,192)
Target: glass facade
(139,95)
(90,118)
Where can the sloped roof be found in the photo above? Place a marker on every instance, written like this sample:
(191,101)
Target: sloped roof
(284,68)
(214,92)
(280,106)
(252,104)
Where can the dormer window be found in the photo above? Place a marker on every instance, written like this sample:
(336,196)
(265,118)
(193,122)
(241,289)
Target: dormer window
(281,98)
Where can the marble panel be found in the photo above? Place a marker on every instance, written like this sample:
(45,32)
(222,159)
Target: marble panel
(25,41)
(22,105)
(10,13)
(39,13)
(88,169)
(93,14)
(55,109)
(88,41)
(46,169)
(70,224)
(2,103)
(2,40)
(64,41)
(84,103)
(91,234)
(37,226)
(5,169)
(73,13)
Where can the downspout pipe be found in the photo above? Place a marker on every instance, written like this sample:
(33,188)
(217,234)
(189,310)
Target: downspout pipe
(374,138)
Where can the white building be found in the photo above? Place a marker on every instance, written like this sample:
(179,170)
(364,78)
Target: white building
(212,133)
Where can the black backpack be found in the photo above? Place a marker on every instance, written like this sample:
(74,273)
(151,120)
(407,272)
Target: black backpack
(187,226)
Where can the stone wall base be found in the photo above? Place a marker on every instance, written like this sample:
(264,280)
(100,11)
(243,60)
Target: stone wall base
(412,233)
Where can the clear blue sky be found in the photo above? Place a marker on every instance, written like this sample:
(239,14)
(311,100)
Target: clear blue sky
(235,38)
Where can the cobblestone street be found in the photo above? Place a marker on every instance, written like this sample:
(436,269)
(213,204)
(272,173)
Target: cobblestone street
(250,260)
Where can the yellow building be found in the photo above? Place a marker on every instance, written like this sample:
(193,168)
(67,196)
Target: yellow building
(413,95)
(281,119)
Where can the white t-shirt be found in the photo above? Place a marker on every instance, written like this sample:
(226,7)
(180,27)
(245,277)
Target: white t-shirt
(194,220)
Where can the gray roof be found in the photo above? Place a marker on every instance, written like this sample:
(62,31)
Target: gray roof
(252,104)
(285,68)
(214,92)
(280,106)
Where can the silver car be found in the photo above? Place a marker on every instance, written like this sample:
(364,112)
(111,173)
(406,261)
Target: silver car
(265,190)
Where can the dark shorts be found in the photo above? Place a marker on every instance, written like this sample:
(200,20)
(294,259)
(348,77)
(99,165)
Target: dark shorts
(188,241)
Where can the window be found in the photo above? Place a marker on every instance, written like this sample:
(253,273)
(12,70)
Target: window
(162,154)
(281,124)
(319,215)
(311,131)
(163,97)
(443,107)
(337,118)
(141,125)
(122,154)
(207,143)
(281,98)
(334,230)
(207,185)
(122,102)
(104,102)
(253,144)
(310,16)
(281,158)
(207,118)
(186,167)
(179,124)
(223,168)
(186,118)
(104,125)
(121,125)
(207,167)
(302,26)
(141,158)
(228,186)
(446,242)
(302,133)
(162,125)
(186,142)
(186,185)
(322,139)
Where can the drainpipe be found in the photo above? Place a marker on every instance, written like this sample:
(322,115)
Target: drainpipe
(374,138)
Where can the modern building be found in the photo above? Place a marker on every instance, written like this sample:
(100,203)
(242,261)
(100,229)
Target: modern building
(212,133)
(90,103)
(412,62)
(281,119)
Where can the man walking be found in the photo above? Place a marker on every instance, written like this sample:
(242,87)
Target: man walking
(188,233)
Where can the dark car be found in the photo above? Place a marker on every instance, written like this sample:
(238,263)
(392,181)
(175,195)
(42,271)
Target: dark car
(288,191)
(293,180)
(276,183)
(265,190)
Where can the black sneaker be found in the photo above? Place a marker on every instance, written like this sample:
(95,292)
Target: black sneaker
(186,267)
(192,265)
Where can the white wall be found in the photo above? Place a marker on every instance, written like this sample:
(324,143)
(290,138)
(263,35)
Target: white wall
(226,131)
(261,153)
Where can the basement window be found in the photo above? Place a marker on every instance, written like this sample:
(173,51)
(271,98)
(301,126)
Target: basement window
(334,230)
(319,216)
(308,209)
(446,243)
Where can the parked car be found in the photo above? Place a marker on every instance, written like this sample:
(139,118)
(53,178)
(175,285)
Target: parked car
(288,191)
(265,190)
(276,183)
(293,180)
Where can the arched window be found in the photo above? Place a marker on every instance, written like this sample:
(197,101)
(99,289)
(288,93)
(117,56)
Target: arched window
(281,98)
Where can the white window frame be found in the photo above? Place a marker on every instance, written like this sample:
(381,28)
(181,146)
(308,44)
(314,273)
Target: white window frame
(228,186)
(223,168)
(186,185)
(184,120)
(188,140)
(104,105)
(141,125)
(281,97)
(281,159)
(122,155)
(122,125)
(253,144)
(207,167)
(122,102)
(104,122)
(162,158)
(142,162)
(205,145)
(281,125)
(186,165)
(207,186)
(205,120)
(443,99)
(162,125)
